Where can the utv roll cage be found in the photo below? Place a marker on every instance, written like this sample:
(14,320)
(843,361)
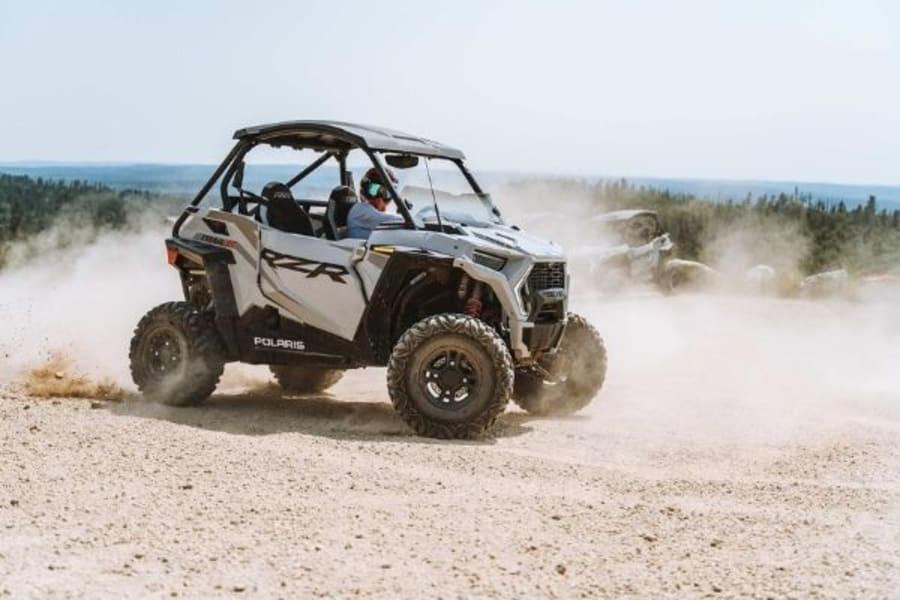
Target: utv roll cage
(334,139)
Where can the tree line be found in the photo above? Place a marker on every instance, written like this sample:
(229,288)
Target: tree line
(863,239)
(30,206)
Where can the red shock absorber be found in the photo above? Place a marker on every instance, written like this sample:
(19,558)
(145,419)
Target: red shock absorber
(473,304)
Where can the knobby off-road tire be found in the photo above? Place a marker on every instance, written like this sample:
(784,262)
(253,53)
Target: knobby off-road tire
(305,380)
(176,355)
(450,376)
(577,371)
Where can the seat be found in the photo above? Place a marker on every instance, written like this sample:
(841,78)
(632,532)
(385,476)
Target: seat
(340,201)
(283,212)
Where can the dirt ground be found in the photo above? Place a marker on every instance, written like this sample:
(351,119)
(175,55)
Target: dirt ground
(746,448)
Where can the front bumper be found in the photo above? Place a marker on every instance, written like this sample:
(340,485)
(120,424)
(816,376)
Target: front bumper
(535,306)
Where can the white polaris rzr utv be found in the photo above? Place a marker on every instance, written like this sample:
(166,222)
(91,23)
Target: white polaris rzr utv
(464,310)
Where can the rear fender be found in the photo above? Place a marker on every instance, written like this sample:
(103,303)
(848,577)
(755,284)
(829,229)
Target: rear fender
(192,258)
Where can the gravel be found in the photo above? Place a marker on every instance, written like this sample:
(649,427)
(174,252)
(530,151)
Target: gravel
(680,480)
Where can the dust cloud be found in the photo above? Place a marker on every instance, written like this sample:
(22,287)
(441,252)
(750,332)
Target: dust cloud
(742,445)
(725,366)
(742,245)
(731,369)
(58,378)
(697,366)
(70,299)
(80,300)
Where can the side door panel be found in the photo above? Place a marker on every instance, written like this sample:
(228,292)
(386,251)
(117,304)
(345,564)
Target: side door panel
(312,279)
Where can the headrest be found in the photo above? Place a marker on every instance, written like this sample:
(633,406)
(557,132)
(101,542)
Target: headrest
(275,190)
(343,194)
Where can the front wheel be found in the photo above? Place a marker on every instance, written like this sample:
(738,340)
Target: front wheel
(450,376)
(176,355)
(568,380)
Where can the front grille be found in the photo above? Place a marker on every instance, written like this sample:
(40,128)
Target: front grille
(544,276)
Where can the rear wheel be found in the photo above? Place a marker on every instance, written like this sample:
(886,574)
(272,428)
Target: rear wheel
(449,376)
(567,381)
(305,380)
(176,355)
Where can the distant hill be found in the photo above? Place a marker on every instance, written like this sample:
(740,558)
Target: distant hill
(186,179)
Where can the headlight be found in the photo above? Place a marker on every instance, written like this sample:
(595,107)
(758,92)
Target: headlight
(489,260)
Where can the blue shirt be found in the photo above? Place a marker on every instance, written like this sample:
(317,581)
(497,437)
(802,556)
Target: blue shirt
(363,218)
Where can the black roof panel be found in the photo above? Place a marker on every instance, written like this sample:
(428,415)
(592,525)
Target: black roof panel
(325,133)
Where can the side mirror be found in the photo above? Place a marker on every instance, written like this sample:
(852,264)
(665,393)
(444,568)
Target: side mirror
(238,180)
(401,161)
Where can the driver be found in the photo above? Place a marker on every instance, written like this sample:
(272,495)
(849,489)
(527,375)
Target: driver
(364,217)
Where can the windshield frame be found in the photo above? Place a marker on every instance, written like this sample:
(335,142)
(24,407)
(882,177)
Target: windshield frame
(376,157)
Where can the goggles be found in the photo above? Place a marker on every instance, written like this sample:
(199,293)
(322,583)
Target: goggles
(374,190)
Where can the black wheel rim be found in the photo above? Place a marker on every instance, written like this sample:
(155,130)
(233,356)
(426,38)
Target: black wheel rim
(449,379)
(164,353)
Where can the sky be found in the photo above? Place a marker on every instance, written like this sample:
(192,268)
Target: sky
(768,90)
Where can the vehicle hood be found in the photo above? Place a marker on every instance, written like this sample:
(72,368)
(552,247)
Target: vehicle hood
(506,239)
